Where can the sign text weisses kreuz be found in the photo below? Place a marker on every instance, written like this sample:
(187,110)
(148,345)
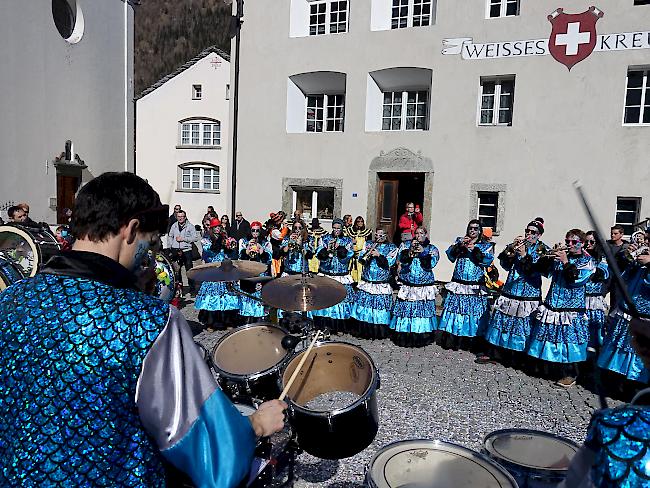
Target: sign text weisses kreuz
(571,41)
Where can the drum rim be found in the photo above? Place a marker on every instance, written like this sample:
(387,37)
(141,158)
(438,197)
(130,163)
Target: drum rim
(16,268)
(367,394)
(252,376)
(25,233)
(487,446)
(439,443)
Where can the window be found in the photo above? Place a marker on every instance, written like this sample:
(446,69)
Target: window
(227,91)
(328,17)
(201,133)
(637,97)
(496,102)
(502,8)
(641,2)
(405,110)
(627,213)
(325,113)
(487,204)
(68,20)
(199,177)
(314,202)
(197,92)
(410,13)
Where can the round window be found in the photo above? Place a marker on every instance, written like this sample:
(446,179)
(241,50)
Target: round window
(68,19)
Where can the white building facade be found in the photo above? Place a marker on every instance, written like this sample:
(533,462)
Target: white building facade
(466,108)
(182,135)
(67,75)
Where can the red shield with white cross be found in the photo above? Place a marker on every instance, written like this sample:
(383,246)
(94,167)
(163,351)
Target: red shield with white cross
(573,36)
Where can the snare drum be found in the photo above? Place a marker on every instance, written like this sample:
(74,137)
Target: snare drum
(427,464)
(248,361)
(535,459)
(28,248)
(343,431)
(9,273)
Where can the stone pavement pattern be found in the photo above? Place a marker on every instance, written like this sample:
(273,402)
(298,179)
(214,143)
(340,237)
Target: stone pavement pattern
(432,393)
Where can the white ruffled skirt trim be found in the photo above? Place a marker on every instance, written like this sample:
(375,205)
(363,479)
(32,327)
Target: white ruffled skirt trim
(516,308)
(375,288)
(344,280)
(596,303)
(464,289)
(547,316)
(417,293)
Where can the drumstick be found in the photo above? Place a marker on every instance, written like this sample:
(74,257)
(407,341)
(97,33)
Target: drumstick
(297,370)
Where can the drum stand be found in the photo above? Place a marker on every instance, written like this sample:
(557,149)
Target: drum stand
(277,465)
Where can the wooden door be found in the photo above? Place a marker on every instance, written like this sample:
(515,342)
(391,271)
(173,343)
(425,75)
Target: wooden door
(66,189)
(387,205)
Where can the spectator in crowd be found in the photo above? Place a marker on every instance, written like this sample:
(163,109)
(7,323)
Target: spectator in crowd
(225,224)
(28,221)
(16,215)
(172,217)
(411,219)
(618,246)
(180,238)
(211,212)
(62,237)
(241,228)
(67,213)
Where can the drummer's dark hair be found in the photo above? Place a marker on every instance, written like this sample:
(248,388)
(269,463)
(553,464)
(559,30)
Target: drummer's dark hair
(12,211)
(107,203)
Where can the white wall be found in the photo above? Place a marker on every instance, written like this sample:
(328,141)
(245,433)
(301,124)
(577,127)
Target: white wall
(158,116)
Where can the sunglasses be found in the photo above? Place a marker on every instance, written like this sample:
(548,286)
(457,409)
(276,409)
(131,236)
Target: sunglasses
(473,227)
(572,242)
(590,241)
(255,231)
(530,231)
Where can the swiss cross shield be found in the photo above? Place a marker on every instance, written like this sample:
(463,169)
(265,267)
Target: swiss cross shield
(573,36)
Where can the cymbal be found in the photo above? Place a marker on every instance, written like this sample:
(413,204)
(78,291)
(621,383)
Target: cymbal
(300,294)
(226,271)
(259,279)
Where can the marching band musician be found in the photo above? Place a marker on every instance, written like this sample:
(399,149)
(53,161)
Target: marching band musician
(334,254)
(510,321)
(617,354)
(465,310)
(296,250)
(414,313)
(560,332)
(316,233)
(595,304)
(216,304)
(373,301)
(253,248)
(359,234)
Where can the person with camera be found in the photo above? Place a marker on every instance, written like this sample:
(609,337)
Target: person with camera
(410,220)
(180,238)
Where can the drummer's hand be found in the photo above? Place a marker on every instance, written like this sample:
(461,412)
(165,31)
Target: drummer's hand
(269,418)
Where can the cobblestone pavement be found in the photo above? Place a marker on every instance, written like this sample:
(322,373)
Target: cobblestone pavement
(433,393)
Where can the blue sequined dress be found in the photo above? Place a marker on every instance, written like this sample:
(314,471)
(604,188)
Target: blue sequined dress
(560,332)
(336,265)
(415,307)
(214,296)
(373,300)
(466,305)
(617,354)
(295,262)
(250,308)
(595,303)
(510,321)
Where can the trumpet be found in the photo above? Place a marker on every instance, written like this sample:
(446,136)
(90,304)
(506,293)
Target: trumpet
(253,249)
(552,252)
(331,246)
(638,252)
(231,243)
(295,243)
(416,248)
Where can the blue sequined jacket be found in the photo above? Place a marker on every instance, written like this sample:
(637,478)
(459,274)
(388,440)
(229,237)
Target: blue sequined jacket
(336,263)
(295,261)
(215,252)
(568,282)
(418,270)
(376,269)
(638,284)
(597,284)
(470,265)
(523,280)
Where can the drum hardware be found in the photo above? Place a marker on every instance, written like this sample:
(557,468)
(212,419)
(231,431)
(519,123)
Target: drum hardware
(29,248)
(226,270)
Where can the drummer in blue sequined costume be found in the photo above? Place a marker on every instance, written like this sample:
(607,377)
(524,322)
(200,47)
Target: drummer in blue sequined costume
(465,309)
(217,305)
(510,321)
(595,303)
(414,313)
(373,300)
(616,451)
(100,382)
(334,254)
(253,248)
(560,333)
(617,354)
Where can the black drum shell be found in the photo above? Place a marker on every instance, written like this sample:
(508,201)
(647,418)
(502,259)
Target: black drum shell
(264,387)
(9,273)
(41,241)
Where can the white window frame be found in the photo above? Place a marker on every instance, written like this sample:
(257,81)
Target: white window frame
(314,200)
(645,102)
(495,194)
(496,108)
(327,26)
(328,102)
(404,109)
(198,177)
(410,15)
(503,8)
(192,133)
(197,92)
(637,211)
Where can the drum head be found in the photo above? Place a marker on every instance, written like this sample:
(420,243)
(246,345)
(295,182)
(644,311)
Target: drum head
(535,450)
(28,248)
(331,367)
(429,464)
(250,350)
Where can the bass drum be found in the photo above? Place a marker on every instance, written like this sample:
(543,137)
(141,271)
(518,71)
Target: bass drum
(29,248)
(423,464)
(330,429)
(165,277)
(9,273)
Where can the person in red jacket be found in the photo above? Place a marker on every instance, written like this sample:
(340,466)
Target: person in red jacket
(411,219)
